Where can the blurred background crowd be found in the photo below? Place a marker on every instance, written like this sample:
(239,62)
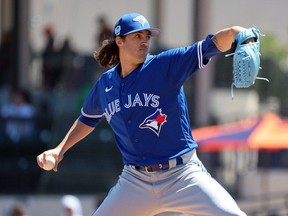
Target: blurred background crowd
(47,69)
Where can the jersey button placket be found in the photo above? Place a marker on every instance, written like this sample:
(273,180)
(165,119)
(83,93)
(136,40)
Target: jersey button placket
(122,89)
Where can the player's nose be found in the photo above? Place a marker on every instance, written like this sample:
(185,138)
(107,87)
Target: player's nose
(144,43)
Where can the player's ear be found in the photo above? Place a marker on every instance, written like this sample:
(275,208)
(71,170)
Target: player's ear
(119,41)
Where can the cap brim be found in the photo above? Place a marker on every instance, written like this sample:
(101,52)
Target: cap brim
(154,31)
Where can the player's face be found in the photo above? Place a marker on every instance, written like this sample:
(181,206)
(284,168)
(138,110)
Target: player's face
(136,46)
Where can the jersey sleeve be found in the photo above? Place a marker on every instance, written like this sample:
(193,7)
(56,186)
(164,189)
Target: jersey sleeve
(209,49)
(91,112)
(181,63)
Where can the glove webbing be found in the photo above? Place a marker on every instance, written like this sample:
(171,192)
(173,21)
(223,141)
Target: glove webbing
(232,85)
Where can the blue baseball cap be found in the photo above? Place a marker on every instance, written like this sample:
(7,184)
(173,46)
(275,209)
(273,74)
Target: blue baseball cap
(133,22)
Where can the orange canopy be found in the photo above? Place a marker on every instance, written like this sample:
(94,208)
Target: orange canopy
(265,132)
(272,133)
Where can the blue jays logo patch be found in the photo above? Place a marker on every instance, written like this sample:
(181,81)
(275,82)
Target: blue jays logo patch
(117,30)
(141,19)
(154,122)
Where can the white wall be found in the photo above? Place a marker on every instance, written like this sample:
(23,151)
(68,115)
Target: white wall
(269,16)
(77,18)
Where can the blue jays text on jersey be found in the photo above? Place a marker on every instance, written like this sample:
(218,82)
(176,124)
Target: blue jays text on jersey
(147,109)
(137,100)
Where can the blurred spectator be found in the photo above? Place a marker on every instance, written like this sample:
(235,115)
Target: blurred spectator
(104,29)
(17,210)
(51,61)
(7,57)
(19,115)
(70,73)
(71,206)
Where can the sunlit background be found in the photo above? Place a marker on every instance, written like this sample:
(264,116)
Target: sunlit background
(46,61)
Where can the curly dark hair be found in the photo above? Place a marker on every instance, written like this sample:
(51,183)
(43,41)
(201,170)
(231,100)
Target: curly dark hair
(107,55)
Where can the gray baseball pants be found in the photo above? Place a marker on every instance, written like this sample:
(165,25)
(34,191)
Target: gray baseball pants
(187,189)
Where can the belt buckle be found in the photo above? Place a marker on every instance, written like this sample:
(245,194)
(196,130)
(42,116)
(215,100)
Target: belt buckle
(150,172)
(146,169)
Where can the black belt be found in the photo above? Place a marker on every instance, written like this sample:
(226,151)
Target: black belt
(164,165)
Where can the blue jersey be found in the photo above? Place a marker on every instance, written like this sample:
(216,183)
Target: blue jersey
(147,109)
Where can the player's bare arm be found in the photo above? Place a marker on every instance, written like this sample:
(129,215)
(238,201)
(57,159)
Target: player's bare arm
(77,132)
(225,37)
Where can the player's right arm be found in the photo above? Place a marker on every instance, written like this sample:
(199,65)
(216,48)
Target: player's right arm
(77,132)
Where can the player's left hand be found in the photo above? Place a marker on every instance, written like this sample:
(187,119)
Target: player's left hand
(246,58)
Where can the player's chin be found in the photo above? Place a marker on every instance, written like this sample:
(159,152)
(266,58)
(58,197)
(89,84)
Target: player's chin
(142,55)
(143,51)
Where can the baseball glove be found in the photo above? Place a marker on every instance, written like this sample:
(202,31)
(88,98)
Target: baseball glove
(246,59)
